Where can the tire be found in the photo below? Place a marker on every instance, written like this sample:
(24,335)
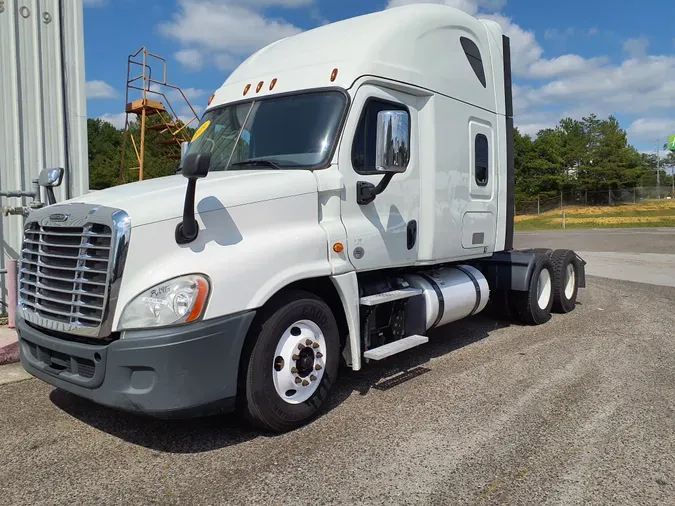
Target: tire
(286,323)
(565,280)
(533,307)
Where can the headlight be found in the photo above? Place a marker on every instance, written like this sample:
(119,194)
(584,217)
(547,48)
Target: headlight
(178,300)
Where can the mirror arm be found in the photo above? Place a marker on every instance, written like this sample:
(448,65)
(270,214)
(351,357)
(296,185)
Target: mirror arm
(51,198)
(188,229)
(366,192)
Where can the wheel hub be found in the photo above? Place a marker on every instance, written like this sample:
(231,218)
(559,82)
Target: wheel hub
(305,362)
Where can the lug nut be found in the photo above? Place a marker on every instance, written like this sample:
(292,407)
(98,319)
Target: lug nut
(318,367)
(298,380)
(318,355)
(315,345)
(301,346)
(308,342)
(312,377)
(305,383)
(294,370)
(296,357)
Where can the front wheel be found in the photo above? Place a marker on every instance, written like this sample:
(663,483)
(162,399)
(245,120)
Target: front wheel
(293,363)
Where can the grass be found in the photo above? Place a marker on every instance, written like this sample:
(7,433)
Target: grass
(657,213)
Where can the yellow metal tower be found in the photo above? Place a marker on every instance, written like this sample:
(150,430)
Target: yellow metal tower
(173,130)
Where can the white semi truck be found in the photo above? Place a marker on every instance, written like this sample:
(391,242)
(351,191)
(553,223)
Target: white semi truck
(348,189)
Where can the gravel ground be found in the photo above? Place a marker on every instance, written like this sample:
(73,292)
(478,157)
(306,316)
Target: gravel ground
(578,411)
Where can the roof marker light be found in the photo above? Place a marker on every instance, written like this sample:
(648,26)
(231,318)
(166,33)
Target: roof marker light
(211,99)
(248,87)
(259,87)
(333,75)
(273,83)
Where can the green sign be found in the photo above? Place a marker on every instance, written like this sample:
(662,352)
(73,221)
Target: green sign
(671,143)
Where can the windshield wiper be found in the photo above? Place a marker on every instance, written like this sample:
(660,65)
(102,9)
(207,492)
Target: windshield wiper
(264,163)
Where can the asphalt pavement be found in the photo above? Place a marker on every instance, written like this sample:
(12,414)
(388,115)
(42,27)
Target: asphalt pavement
(640,255)
(578,411)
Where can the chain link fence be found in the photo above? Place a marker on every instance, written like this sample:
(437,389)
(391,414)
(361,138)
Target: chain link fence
(526,205)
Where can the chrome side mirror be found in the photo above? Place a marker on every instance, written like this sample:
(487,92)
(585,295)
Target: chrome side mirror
(392,149)
(51,178)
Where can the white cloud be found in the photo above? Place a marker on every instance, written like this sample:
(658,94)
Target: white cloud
(226,30)
(648,130)
(99,90)
(634,86)
(470,6)
(565,65)
(636,48)
(116,120)
(191,59)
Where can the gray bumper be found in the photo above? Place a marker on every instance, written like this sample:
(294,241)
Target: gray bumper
(176,372)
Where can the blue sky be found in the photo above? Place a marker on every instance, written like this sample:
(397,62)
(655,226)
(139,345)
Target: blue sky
(569,58)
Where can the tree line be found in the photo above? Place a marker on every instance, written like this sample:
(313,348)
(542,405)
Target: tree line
(587,155)
(106,166)
(590,154)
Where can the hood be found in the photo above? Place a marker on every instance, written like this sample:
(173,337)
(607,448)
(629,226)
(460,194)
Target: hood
(162,198)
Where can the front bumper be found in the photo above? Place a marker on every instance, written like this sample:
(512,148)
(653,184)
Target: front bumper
(176,372)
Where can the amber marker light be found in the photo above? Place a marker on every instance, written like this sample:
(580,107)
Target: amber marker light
(338,247)
(211,99)
(203,292)
(259,87)
(333,75)
(273,83)
(248,87)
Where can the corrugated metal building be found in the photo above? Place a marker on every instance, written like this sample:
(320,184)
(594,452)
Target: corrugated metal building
(43,115)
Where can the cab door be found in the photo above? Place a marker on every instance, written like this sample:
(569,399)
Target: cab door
(383,232)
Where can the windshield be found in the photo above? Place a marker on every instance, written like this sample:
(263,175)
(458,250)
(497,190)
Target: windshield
(295,131)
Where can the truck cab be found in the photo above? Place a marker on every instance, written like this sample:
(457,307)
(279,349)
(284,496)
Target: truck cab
(348,189)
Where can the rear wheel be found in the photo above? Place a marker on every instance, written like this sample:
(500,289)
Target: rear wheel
(533,307)
(293,363)
(565,280)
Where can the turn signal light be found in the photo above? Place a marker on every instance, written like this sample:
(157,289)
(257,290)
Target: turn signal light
(338,247)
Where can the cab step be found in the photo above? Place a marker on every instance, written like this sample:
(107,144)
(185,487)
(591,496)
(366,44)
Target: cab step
(383,298)
(395,347)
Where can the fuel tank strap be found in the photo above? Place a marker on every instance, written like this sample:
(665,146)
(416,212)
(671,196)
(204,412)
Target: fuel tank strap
(439,294)
(475,285)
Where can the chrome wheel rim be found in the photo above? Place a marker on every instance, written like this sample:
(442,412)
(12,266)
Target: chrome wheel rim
(299,362)
(570,280)
(544,289)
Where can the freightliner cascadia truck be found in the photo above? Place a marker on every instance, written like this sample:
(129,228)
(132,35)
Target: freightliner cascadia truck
(348,190)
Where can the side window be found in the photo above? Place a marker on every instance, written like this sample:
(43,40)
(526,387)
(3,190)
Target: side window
(481,155)
(473,55)
(363,149)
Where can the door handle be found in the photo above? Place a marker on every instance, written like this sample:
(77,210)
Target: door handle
(412,233)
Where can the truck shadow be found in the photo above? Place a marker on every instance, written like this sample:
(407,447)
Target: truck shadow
(217,432)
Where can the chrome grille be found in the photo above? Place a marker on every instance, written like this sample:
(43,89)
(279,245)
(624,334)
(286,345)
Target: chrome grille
(64,272)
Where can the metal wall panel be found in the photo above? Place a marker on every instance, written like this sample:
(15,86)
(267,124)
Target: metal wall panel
(43,117)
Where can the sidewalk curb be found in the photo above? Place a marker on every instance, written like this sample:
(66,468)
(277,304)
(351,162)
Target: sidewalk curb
(9,346)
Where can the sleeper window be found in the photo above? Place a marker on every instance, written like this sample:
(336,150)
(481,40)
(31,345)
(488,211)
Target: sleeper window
(481,157)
